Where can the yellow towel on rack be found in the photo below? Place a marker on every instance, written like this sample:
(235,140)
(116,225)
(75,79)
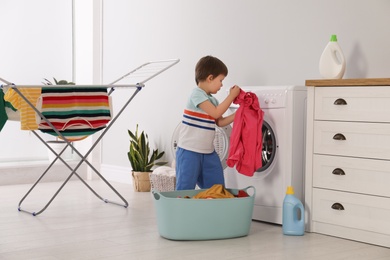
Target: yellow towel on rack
(27,113)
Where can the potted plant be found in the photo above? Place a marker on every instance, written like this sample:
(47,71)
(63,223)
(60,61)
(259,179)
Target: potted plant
(61,82)
(142,159)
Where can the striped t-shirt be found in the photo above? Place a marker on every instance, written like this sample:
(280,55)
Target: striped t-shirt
(197,130)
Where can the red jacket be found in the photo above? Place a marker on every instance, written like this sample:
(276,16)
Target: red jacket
(246,138)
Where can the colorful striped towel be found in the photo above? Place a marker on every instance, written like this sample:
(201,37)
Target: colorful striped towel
(75,112)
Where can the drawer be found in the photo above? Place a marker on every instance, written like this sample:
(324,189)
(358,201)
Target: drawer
(358,211)
(352,174)
(365,140)
(364,104)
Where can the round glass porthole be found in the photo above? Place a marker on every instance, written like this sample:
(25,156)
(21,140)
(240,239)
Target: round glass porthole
(269,147)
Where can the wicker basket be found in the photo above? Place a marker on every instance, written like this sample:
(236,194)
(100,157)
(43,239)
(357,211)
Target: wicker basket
(162,182)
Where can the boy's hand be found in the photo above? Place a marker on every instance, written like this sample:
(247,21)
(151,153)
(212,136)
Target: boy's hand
(234,91)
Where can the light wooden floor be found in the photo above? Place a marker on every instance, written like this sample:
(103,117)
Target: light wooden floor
(79,226)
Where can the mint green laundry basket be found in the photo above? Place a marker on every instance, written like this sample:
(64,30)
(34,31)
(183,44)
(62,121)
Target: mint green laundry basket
(180,218)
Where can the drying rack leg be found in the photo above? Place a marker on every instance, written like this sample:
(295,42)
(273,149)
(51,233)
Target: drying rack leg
(58,156)
(83,160)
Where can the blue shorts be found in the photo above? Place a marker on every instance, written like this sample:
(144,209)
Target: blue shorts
(200,169)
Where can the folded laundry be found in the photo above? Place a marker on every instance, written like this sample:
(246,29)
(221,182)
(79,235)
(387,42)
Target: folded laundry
(242,194)
(217,191)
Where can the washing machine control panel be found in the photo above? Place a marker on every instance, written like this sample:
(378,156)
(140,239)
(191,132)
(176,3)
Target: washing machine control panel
(269,96)
(271,99)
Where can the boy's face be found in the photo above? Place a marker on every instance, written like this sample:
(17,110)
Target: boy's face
(215,83)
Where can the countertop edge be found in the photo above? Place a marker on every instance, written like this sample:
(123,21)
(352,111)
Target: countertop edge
(348,82)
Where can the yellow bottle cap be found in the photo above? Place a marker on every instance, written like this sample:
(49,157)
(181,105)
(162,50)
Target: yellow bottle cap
(290,190)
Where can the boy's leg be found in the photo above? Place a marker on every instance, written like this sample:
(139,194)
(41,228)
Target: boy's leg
(212,172)
(187,169)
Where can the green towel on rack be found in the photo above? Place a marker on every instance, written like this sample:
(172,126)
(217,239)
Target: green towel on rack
(3,114)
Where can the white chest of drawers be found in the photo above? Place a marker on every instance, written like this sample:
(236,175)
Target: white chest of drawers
(347,183)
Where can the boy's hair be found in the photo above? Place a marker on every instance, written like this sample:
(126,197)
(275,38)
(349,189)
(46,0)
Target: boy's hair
(209,65)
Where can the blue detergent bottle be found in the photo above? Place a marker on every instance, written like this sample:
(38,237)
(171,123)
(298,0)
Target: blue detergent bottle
(293,214)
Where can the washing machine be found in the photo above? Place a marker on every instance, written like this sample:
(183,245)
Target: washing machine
(283,152)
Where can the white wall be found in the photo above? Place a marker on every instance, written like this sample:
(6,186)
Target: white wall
(36,43)
(262,43)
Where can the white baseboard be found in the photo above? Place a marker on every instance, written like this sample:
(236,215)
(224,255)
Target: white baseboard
(116,173)
(29,172)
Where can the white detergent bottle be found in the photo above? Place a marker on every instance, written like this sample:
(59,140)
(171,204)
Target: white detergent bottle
(332,61)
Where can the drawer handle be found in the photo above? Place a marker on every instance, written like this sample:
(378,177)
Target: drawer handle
(340,101)
(337,206)
(339,137)
(338,171)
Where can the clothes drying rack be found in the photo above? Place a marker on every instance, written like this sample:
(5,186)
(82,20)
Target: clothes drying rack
(139,76)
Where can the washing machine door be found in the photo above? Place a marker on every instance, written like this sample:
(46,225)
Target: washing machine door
(269,146)
(221,142)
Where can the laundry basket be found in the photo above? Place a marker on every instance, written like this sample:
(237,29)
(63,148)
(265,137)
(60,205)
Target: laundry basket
(180,218)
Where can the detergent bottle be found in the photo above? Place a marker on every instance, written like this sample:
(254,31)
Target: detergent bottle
(293,214)
(332,61)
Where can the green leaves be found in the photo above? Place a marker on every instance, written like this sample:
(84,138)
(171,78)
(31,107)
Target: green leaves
(139,152)
(61,82)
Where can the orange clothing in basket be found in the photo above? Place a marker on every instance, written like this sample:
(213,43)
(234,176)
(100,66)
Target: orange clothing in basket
(217,191)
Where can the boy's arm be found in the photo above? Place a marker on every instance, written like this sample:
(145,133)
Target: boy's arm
(217,111)
(224,121)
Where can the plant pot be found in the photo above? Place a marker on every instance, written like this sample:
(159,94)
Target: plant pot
(141,181)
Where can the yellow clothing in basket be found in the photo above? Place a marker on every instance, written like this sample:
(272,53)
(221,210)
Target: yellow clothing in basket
(217,191)
(27,114)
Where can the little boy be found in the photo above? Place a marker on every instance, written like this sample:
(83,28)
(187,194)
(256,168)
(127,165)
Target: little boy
(197,162)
